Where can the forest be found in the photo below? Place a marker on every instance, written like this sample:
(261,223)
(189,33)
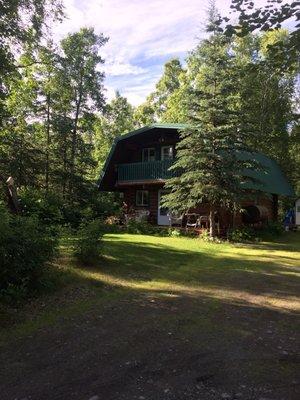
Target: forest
(57,126)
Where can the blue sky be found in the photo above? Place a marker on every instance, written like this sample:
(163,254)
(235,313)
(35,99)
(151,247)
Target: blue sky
(143,34)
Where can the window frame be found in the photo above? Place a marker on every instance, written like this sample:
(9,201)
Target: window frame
(148,151)
(142,204)
(170,146)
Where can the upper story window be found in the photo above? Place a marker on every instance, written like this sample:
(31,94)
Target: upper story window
(148,154)
(167,153)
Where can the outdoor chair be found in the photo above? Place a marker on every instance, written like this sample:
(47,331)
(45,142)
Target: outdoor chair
(192,220)
(175,219)
(142,215)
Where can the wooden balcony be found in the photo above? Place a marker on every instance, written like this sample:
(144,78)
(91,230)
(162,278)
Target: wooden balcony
(148,172)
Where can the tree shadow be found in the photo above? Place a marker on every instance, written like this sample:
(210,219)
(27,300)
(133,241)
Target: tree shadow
(213,273)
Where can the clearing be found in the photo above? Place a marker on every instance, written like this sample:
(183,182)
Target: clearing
(162,318)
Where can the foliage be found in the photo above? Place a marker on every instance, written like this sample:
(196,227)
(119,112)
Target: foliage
(243,234)
(45,206)
(158,103)
(21,26)
(269,231)
(266,19)
(88,246)
(117,120)
(25,248)
(207,163)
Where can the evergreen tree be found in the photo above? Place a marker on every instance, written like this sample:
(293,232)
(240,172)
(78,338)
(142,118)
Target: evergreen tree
(207,163)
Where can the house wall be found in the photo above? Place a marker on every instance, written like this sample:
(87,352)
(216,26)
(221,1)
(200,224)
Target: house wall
(130,199)
(203,209)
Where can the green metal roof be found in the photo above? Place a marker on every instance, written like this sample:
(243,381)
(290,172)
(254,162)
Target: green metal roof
(270,179)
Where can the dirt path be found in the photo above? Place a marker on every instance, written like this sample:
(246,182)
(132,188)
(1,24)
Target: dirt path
(153,347)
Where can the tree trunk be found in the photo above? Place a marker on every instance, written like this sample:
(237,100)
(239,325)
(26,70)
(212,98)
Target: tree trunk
(48,144)
(212,228)
(74,133)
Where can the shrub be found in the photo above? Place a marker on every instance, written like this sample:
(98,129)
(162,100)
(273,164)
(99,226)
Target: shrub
(145,228)
(242,234)
(173,232)
(88,246)
(247,234)
(25,248)
(271,230)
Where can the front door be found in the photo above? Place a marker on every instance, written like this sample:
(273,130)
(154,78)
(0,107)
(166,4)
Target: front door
(162,214)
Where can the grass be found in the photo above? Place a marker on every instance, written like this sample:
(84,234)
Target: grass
(263,275)
(190,266)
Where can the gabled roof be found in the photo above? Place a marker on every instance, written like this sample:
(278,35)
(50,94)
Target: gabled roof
(270,179)
(139,131)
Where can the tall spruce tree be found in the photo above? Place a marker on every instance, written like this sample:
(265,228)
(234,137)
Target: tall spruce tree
(207,163)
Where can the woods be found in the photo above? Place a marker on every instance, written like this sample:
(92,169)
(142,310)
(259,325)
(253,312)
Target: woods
(57,126)
(238,90)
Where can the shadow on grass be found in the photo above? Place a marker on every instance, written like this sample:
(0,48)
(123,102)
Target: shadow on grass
(215,271)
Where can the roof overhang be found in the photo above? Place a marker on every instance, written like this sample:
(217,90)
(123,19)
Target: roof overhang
(102,185)
(271,177)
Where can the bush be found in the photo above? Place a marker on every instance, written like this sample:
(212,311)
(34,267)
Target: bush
(247,234)
(145,228)
(25,248)
(242,234)
(271,230)
(88,246)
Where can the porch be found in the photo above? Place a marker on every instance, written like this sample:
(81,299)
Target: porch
(145,172)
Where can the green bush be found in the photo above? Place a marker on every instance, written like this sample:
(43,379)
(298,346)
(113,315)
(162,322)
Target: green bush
(88,246)
(248,234)
(25,248)
(271,230)
(145,228)
(242,234)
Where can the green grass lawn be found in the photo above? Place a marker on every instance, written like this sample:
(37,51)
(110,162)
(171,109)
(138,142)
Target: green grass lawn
(162,313)
(262,274)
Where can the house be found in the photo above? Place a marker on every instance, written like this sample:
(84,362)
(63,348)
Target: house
(138,166)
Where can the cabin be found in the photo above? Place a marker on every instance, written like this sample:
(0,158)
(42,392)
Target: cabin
(138,167)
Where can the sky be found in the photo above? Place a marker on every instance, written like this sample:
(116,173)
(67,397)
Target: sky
(143,35)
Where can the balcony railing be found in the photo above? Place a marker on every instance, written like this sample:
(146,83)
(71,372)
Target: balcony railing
(146,171)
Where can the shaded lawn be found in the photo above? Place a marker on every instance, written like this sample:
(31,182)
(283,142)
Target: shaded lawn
(265,274)
(163,318)
(262,274)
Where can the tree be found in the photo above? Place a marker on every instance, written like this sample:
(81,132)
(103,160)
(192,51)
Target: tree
(118,119)
(157,103)
(83,84)
(207,162)
(266,19)
(21,24)
(266,94)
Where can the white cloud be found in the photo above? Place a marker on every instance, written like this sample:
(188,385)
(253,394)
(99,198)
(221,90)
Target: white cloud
(143,35)
(119,68)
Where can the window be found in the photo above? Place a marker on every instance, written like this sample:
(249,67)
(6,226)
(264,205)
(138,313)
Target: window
(142,198)
(167,153)
(148,154)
